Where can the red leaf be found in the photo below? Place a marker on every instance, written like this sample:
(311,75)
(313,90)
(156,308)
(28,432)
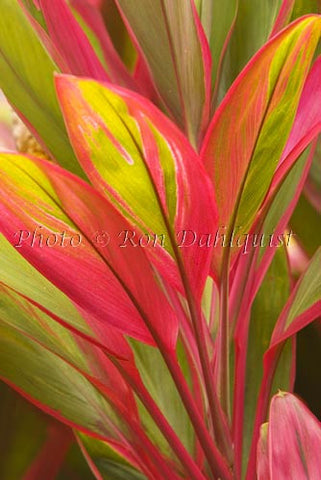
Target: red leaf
(115,286)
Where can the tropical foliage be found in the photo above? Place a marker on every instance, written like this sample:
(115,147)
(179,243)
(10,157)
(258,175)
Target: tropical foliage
(160,203)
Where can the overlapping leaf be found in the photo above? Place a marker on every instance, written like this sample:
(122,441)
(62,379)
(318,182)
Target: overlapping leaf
(250,129)
(20,315)
(105,462)
(249,354)
(284,16)
(173,42)
(254,23)
(141,161)
(218,20)
(115,286)
(303,306)
(66,375)
(92,23)
(71,41)
(286,187)
(27,81)
(17,274)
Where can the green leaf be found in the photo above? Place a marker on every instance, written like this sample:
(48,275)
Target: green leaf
(306,223)
(27,79)
(217,19)
(19,275)
(51,382)
(177,54)
(17,447)
(108,462)
(304,7)
(155,376)
(254,22)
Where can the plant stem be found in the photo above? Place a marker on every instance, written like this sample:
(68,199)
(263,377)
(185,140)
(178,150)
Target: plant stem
(139,388)
(224,341)
(220,428)
(215,460)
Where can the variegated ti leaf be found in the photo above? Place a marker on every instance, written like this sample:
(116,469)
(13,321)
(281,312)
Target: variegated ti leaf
(27,81)
(66,339)
(20,314)
(286,187)
(80,37)
(293,442)
(256,117)
(62,391)
(138,158)
(171,38)
(111,414)
(51,383)
(21,277)
(79,251)
(70,40)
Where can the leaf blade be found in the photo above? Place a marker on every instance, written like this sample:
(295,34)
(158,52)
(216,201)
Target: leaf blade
(27,81)
(165,23)
(294,439)
(249,120)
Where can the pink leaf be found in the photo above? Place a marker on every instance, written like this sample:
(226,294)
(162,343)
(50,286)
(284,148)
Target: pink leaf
(294,440)
(115,67)
(263,472)
(70,40)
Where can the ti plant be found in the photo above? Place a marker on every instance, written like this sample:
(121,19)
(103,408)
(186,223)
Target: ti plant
(147,301)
